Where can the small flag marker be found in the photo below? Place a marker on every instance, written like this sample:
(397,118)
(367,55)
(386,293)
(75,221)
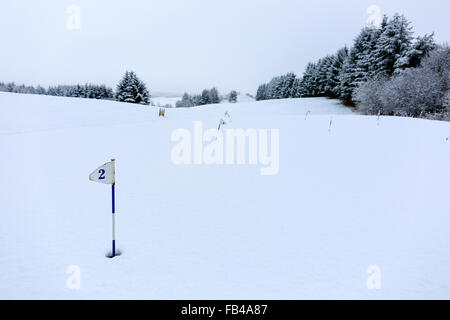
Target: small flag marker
(106,174)
(306,115)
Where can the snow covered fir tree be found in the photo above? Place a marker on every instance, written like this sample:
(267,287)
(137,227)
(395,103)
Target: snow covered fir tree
(232,97)
(132,90)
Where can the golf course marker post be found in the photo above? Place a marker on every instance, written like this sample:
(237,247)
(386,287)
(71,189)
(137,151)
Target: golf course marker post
(106,174)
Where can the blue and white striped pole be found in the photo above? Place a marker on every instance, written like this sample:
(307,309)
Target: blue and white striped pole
(107,174)
(113,222)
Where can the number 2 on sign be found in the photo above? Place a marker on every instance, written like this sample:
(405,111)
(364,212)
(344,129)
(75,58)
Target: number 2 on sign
(102,174)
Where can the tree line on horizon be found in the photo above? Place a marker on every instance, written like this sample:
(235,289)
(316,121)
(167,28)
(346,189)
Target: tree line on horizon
(130,89)
(90,91)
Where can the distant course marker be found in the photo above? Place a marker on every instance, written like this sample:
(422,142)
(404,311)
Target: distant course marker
(306,115)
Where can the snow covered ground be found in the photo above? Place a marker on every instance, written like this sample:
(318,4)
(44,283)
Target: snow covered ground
(364,193)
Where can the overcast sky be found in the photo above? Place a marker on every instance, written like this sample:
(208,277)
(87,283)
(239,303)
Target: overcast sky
(187,45)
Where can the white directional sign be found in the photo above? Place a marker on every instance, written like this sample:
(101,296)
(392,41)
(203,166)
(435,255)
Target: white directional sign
(104,174)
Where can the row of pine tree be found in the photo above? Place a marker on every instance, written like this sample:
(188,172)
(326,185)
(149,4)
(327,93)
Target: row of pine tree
(130,89)
(388,50)
(210,96)
(90,91)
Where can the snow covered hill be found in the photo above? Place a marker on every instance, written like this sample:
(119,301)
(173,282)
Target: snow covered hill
(360,195)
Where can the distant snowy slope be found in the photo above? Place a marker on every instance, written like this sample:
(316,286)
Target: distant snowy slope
(361,193)
(163,100)
(242,97)
(25,112)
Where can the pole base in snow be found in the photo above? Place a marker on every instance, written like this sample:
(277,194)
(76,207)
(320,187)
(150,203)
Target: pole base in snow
(109,254)
(114,252)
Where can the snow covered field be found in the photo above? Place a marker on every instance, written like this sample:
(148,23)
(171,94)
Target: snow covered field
(364,193)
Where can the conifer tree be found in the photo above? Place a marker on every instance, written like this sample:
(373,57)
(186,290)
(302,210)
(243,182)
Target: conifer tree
(232,97)
(214,96)
(393,44)
(132,90)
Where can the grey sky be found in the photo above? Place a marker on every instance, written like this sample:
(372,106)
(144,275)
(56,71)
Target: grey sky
(177,46)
